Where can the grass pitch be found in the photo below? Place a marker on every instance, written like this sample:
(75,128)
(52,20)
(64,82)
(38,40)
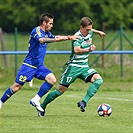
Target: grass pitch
(63,115)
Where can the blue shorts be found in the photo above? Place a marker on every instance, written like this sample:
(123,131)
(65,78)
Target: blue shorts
(26,73)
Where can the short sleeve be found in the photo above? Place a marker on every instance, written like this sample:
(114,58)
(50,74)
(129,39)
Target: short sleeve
(51,35)
(36,34)
(77,42)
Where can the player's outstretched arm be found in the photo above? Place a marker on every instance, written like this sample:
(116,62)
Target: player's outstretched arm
(63,38)
(101,33)
(58,39)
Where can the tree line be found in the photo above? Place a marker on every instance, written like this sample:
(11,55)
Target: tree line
(25,14)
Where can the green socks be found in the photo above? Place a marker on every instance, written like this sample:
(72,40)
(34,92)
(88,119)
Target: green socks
(50,97)
(93,89)
(90,93)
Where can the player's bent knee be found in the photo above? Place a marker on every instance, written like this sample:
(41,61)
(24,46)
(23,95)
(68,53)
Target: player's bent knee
(50,78)
(100,81)
(53,81)
(16,87)
(62,88)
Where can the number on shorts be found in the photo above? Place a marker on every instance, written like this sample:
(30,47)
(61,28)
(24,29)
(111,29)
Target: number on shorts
(22,78)
(69,79)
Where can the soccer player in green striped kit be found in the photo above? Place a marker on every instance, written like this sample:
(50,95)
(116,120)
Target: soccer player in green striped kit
(77,67)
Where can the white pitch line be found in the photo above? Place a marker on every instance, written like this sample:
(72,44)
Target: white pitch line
(118,99)
(110,98)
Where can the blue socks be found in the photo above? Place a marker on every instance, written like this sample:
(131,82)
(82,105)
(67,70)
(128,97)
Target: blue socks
(44,89)
(8,93)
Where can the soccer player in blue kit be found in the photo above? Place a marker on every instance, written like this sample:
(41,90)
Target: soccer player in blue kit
(33,64)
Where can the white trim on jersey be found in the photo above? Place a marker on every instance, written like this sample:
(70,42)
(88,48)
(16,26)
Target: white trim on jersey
(76,65)
(81,56)
(86,60)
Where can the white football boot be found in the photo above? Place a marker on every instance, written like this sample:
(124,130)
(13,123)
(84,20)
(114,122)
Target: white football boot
(1,103)
(36,104)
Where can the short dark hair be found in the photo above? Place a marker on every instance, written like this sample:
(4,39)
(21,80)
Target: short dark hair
(45,17)
(85,21)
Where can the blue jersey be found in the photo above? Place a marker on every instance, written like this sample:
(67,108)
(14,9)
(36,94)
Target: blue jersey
(37,51)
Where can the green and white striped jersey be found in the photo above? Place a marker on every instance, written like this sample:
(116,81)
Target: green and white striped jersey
(80,60)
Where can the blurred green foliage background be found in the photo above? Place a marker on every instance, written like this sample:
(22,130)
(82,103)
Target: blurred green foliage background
(25,14)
